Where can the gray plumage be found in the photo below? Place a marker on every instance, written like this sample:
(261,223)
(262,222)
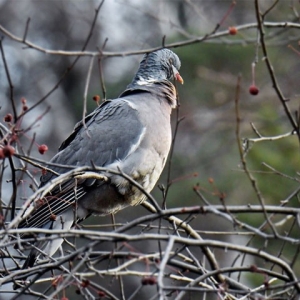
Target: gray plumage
(131,133)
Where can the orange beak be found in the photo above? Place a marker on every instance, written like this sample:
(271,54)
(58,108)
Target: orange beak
(179,78)
(177,75)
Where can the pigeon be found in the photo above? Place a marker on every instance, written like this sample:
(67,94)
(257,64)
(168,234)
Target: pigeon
(131,134)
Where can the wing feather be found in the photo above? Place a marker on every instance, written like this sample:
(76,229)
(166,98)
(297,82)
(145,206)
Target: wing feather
(111,133)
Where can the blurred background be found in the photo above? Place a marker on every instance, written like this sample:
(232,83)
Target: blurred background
(205,149)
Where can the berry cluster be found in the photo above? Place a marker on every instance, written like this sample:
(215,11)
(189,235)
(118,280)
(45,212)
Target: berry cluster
(15,131)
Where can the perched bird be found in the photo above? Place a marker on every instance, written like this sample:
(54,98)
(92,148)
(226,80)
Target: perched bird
(131,133)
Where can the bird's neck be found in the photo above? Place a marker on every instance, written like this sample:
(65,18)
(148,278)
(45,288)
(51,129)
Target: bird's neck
(148,78)
(161,89)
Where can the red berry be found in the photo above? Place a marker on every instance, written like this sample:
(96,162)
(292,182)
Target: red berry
(232,30)
(253,90)
(253,268)
(85,283)
(25,107)
(101,294)
(96,98)
(8,151)
(8,118)
(43,148)
(52,217)
(151,280)
(23,100)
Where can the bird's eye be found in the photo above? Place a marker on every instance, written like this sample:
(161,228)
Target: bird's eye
(171,61)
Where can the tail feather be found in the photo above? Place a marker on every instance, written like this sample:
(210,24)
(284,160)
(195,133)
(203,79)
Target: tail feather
(48,248)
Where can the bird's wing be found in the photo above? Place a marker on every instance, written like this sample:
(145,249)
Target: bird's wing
(111,133)
(107,136)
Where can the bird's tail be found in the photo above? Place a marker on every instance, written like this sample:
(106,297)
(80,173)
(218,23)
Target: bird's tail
(47,248)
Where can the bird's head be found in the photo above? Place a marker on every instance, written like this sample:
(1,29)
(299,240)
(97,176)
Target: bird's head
(156,66)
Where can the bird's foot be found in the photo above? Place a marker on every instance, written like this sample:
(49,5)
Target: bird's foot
(93,175)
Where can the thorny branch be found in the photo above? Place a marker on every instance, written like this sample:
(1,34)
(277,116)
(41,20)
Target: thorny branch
(213,36)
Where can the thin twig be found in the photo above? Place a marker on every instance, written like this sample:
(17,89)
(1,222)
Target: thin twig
(26,30)
(86,89)
(191,41)
(11,87)
(270,68)
(243,161)
(68,70)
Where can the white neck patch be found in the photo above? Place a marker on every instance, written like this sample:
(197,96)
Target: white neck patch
(143,81)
